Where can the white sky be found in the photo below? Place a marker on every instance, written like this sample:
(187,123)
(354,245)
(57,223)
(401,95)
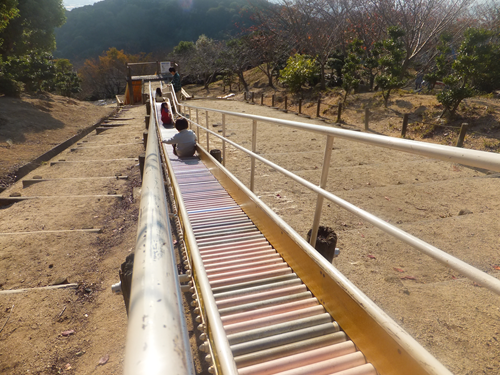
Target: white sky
(70,4)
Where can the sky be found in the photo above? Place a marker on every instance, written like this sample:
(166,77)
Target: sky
(70,4)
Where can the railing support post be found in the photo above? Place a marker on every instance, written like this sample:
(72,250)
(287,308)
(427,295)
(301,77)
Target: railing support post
(254,148)
(223,141)
(461,136)
(405,125)
(286,103)
(367,118)
(272,101)
(208,134)
(253,95)
(190,119)
(197,126)
(322,184)
(300,106)
(261,99)
(319,104)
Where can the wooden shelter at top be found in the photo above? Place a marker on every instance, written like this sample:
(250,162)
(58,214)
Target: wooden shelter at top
(134,92)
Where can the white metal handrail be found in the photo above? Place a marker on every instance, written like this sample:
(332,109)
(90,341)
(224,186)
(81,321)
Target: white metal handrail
(474,158)
(157,336)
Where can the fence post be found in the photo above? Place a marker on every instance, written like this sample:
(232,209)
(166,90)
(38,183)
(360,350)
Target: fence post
(339,112)
(261,99)
(461,136)
(245,96)
(405,125)
(197,126)
(367,118)
(223,140)
(253,94)
(208,134)
(300,106)
(322,185)
(319,104)
(272,101)
(252,160)
(286,103)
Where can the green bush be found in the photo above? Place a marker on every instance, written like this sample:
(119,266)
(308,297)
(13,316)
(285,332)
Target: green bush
(9,87)
(298,71)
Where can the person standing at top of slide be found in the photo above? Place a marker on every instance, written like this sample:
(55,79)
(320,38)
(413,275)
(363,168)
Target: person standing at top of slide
(176,82)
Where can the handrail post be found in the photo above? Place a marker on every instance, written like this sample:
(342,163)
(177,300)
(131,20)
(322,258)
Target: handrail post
(190,122)
(286,103)
(319,104)
(322,185)
(300,106)
(252,160)
(208,133)
(272,100)
(262,99)
(223,139)
(367,118)
(197,126)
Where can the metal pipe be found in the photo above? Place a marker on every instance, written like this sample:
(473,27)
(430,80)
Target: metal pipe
(197,127)
(157,338)
(223,139)
(208,140)
(465,269)
(252,160)
(322,185)
(473,158)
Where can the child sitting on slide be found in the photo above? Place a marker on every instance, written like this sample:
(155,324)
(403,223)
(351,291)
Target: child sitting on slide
(166,118)
(184,142)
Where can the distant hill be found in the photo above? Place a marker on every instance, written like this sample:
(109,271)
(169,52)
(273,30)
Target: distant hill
(149,26)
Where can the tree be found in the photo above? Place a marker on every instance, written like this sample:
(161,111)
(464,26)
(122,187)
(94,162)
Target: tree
(105,77)
(237,57)
(391,63)
(442,60)
(476,64)
(422,21)
(352,65)
(269,52)
(33,29)
(205,60)
(299,70)
(311,27)
(66,81)
(8,11)
(36,70)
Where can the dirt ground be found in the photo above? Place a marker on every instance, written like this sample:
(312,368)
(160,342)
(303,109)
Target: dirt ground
(77,232)
(450,206)
(455,319)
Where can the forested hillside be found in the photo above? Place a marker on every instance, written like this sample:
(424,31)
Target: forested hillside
(148,26)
